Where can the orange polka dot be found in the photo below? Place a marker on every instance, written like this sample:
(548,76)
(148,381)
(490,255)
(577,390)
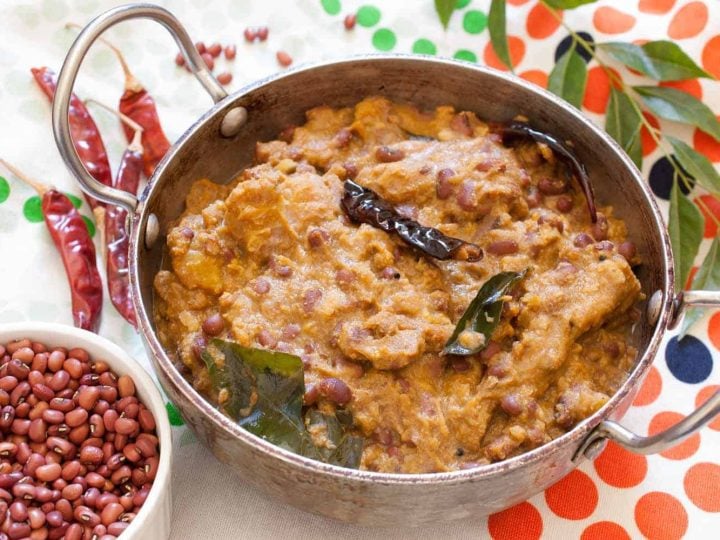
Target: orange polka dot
(656,6)
(650,389)
(605,530)
(685,449)
(714,330)
(660,516)
(705,144)
(517,52)
(691,86)
(713,205)
(704,395)
(504,525)
(612,21)
(619,467)
(691,277)
(536,76)
(711,56)
(648,143)
(573,497)
(541,23)
(517,2)
(597,91)
(701,486)
(689,21)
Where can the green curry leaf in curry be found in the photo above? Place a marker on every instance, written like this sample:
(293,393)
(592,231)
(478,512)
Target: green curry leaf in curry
(473,330)
(263,391)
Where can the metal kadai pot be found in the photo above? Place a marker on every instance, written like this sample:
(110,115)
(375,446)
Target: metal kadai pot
(221,143)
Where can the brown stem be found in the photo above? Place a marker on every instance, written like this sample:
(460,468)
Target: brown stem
(131,83)
(36,185)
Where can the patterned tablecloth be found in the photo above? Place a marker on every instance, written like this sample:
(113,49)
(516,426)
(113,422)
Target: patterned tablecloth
(619,495)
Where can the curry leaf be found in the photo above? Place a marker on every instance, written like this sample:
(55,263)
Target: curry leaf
(623,123)
(498,32)
(679,106)
(263,391)
(569,77)
(696,165)
(444,9)
(475,327)
(685,224)
(660,60)
(339,448)
(707,278)
(567,4)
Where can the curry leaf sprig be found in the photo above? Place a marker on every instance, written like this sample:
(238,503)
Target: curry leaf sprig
(660,61)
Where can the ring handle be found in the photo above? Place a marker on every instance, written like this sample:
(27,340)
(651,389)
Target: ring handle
(68,74)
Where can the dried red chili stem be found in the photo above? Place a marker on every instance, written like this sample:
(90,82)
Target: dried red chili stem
(139,105)
(113,222)
(83,130)
(72,240)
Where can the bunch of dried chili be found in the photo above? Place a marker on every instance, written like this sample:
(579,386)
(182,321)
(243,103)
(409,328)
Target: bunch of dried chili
(72,240)
(363,205)
(83,130)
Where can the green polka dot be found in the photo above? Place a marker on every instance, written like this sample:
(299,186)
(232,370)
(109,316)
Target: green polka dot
(331,7)
(173,415)
(424,46)
(384,39)
(464,54)
(90,226)
(368,16)
(32,209)
(474,22)
(76,201)
(461,4)
(4,190)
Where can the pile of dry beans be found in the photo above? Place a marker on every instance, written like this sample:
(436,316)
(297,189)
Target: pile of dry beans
(78,451)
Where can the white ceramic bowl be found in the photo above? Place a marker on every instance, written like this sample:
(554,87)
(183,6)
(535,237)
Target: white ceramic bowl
(153,520)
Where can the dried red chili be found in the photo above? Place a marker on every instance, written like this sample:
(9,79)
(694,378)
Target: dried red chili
(365,206)
(519,130)
(137,104)
(72,240)
(85,134)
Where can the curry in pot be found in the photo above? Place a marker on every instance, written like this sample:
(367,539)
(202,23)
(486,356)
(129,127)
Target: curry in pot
(272,284)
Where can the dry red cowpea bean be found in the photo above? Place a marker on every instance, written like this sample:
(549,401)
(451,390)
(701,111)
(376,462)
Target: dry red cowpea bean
(262,33)
(283,58)
(224,78)
(215,49)
(230,52)
(349,21)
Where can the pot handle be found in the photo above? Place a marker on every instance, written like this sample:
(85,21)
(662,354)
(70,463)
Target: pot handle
(68,74)
(595,441)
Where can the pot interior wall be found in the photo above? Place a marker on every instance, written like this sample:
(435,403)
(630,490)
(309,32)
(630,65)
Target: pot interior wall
(203,153)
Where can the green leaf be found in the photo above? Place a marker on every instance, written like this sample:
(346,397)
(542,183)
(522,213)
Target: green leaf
(707,279)
(340,448)
(696,165)
(444,9)
(568,4)
(623,123)
(569,77)
(679,106)
(482,315)
(685,225)
(660,60)
(498,32)
(263,391)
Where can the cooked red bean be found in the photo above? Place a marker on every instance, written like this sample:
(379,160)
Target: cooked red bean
(212,326)
(230,52)
(548,186)
(310,299)
(582,240)
(599,229)
(511,404)
(564,204)
(627,250)
(283,58)
(466,196)
(605,245)
(335,390)
(502,247)
(261,286)
(385,154)
(444,187)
